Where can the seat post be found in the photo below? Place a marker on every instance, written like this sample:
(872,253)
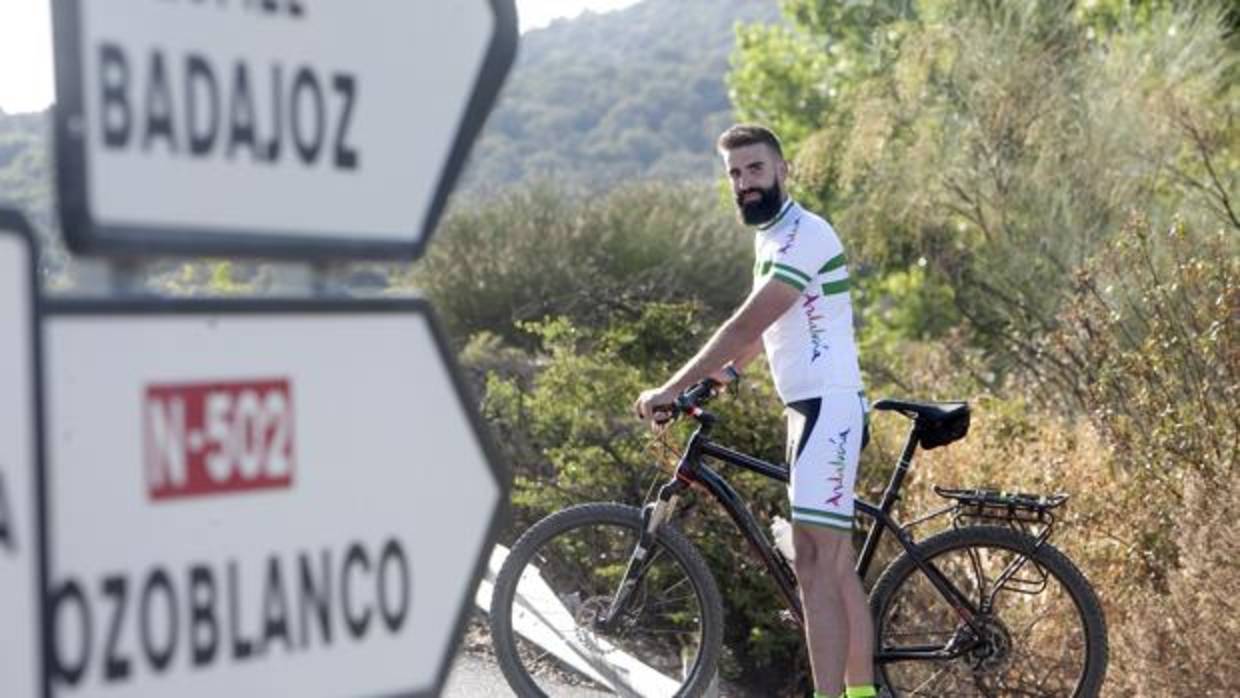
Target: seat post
(888,502)
(891,494)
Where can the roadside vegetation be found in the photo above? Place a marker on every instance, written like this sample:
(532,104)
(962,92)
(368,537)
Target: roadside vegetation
(1041,204)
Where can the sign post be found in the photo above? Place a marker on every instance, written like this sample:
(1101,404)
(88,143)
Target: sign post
(259,497)
(289,128)
(20,673)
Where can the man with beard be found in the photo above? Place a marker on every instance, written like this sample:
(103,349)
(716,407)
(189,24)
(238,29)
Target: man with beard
(799,310)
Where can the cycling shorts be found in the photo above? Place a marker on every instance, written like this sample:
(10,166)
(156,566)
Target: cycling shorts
(825,438)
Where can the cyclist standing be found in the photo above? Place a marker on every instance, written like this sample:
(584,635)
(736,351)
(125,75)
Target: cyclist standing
(799,311)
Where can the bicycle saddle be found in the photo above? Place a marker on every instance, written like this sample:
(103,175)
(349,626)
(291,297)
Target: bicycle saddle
(929,411)
(938,423)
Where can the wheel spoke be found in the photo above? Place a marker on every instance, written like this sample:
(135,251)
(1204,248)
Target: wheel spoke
(1033,637)
(662,636)
(979,576)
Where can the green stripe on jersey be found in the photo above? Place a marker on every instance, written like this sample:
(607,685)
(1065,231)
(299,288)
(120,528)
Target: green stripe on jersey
(789,279)
(832,264)
(834,287)
(793,271)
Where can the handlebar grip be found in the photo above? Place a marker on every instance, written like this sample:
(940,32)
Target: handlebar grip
(697,394)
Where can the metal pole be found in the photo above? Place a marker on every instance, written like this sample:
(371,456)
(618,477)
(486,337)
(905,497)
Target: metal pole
(289,279)
(128,277)
(90,277)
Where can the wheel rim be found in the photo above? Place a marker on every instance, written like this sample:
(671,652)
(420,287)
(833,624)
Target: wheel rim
(580,568)
(1033,640)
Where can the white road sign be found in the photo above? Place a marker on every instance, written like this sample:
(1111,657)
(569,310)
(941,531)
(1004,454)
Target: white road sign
(295,128)
(19,533)
(257,498)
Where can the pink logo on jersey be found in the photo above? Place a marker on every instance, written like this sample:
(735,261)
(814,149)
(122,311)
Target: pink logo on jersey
(812,319)
(792,237)
(835,476)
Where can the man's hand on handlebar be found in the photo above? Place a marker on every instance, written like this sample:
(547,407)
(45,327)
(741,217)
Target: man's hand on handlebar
(656,405)
(661,405)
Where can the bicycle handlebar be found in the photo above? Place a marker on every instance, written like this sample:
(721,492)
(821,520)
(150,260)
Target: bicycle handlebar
(690,401)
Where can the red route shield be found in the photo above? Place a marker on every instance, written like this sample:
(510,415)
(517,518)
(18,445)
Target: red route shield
(211,438)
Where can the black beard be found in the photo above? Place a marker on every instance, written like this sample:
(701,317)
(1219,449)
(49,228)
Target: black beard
(762,210)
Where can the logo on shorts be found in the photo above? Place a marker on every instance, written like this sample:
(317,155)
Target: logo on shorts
(835,475)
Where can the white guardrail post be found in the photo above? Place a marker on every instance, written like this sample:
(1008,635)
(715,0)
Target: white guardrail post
(544,620)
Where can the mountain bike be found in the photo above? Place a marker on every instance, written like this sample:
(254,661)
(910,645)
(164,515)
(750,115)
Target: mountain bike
(986,607)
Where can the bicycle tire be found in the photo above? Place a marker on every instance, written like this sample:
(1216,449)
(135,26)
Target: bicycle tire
(530,675)
(903,598)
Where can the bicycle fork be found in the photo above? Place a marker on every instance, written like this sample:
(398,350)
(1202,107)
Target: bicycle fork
(654,515)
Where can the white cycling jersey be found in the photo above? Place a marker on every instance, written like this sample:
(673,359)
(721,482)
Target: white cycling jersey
(810,348)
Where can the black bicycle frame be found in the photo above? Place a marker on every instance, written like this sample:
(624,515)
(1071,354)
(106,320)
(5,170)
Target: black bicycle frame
(691,470)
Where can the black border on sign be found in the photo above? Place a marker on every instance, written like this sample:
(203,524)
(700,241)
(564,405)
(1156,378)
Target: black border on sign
(86,235)
(146,307)
(14,222)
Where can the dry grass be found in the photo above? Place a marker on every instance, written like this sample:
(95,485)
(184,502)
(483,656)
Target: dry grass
(1173,628)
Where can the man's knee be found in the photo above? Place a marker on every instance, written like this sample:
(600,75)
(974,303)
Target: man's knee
(818,547)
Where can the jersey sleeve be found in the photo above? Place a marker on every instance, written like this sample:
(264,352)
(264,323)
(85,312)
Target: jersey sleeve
(805,251)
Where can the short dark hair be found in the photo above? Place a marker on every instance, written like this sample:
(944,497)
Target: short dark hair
(741,135)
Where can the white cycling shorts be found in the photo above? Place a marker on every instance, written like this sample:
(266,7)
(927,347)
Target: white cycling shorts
(824,446)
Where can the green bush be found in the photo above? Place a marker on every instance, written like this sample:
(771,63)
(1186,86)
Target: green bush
(539,253)
(1004,143)
(569,434)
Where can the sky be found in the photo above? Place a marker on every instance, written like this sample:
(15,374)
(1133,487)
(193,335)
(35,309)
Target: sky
(26,43)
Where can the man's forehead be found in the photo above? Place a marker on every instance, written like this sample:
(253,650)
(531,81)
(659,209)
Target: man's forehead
(746,155)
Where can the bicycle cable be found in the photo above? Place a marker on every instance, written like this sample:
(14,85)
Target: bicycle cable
(665,456)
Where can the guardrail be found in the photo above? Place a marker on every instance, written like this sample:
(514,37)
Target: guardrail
(543,619)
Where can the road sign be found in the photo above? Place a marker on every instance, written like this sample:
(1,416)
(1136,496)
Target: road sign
(288,128)
(19,530)
(259,498)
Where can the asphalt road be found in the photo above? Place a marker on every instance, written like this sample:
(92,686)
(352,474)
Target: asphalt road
(477,676)
(473,676)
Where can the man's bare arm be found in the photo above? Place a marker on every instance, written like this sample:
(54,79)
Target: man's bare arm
(739,339)
(742,360)
(738,362)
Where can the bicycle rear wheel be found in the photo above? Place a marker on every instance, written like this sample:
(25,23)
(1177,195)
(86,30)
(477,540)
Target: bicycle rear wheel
(562,574)
(1043,631)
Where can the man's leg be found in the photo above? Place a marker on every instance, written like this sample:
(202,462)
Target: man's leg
(824,445)
(838,627)
(859,670)
(826,616)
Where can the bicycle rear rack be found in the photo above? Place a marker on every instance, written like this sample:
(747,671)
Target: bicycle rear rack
(1020,511)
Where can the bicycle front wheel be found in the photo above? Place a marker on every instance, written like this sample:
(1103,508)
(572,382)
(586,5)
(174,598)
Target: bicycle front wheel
(562,575)
(1042,632)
